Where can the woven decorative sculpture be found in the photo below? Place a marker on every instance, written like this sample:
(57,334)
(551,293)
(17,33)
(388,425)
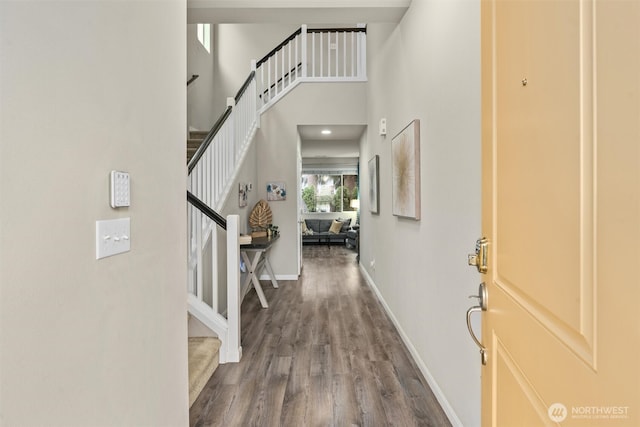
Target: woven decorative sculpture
(261,216)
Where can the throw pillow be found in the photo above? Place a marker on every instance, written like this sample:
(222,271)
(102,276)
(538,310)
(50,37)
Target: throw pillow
(335,228)
(306,231)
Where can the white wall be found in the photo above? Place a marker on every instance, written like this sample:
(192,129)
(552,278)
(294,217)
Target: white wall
(428,68)
(85,88)
(329,149)
(200,114)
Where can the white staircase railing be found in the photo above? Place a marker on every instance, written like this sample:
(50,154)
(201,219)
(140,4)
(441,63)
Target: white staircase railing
(212,170)
(311,55)
(201,301)
(214,166)
(308,55)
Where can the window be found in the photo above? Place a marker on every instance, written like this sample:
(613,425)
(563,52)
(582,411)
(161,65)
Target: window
(329,193)
(204,36)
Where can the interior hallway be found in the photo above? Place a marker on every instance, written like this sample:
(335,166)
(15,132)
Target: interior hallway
(323,354)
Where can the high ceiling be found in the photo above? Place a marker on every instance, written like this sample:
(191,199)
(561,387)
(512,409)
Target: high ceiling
(296,11)
(318,12)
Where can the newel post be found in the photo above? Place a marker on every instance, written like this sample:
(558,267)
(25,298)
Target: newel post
(304,50)
(234,349)
(255,105)
(362,52)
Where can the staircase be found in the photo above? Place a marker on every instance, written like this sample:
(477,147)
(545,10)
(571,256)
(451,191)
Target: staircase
(196,137)
(203,361)
(214,158)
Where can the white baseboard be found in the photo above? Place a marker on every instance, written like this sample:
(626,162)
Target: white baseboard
(448,409)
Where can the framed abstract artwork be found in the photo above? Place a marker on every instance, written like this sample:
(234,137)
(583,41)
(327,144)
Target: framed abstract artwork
(276,191)
(405,172)
(374,185)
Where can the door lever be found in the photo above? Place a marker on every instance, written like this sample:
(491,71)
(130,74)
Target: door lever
(482,306)
(482,296)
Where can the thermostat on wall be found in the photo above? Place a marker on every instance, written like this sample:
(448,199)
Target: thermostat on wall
(120,189)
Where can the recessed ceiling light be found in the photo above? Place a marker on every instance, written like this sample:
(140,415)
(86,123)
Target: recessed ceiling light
(326,132)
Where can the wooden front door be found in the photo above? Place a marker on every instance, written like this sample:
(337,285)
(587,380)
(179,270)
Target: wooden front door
(561,211)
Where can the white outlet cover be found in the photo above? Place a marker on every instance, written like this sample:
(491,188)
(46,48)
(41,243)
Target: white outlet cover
(113,237)
(383,127)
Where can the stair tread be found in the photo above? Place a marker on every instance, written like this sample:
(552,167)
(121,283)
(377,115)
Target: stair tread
(203,361)
(195,134)
(192,147)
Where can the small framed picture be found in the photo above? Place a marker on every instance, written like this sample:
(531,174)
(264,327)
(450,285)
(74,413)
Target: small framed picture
(242,195)
(276,191)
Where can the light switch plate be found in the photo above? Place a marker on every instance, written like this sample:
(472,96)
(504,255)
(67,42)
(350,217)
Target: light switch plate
(120,189)
(113,237)
(383,127)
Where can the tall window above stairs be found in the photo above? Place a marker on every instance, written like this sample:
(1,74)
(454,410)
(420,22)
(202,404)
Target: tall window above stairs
(204,36)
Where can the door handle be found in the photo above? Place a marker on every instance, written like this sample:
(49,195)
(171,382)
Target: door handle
(482,306)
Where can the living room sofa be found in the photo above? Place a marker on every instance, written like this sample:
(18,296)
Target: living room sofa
(317,231)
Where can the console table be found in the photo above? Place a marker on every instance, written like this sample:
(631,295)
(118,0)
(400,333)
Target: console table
(259,249)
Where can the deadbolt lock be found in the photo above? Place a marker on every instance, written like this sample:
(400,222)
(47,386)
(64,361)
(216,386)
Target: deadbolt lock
(479,258)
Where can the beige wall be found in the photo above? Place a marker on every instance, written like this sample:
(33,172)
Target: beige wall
(200,114)
(428,68)
(330,149)
(86,88)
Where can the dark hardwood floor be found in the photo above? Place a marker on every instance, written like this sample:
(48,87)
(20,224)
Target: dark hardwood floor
(323,354)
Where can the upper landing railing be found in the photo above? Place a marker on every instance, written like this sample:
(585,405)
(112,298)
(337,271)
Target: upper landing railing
(319,55)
